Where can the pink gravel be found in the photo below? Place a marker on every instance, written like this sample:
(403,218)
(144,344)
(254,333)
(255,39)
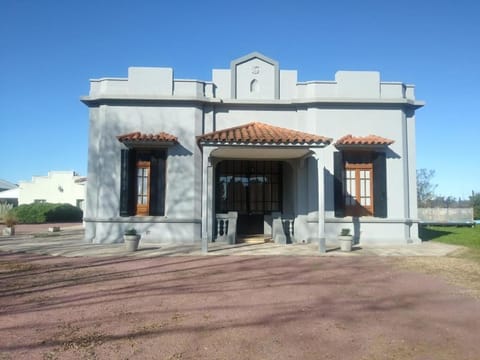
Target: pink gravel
(230,307)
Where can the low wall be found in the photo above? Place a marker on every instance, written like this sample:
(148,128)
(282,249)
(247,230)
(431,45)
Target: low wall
(446,215)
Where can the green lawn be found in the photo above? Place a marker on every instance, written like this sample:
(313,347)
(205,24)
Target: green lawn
(465,236)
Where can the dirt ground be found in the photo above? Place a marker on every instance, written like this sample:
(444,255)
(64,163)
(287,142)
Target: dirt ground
(21,229)
(232,307)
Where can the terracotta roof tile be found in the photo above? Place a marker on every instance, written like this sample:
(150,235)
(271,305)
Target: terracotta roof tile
(138,137)
(260,133)
(363,140)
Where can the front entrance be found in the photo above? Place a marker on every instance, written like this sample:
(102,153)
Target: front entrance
(252,188)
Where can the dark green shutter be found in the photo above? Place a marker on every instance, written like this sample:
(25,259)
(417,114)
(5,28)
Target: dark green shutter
(157,183)
(338,184)
(127,182)
(380,185)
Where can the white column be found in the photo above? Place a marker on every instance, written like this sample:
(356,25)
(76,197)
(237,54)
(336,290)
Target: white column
(207,172)
(210,214)
(319,156)
(412,179)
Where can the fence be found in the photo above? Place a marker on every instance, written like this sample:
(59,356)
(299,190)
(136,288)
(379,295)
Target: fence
(446,216)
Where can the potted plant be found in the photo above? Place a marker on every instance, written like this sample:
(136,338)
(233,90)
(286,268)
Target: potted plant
(10,221)
(131,239)
(345,239)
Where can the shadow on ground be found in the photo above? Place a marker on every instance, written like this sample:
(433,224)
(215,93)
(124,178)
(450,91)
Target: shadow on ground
(427,234)
(220,307)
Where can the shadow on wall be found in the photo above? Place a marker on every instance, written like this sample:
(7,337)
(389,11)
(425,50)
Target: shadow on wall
(180,179)
(103,195)
(330,181)
(390,154)
(289,174)
(313,185)
(356,229)
(179,150)
(103,187)
(329,195)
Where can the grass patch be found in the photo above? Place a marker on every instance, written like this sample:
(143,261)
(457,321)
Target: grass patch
(465,236)
(460,268)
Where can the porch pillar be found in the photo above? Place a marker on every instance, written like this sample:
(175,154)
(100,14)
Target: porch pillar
(319,156)
(207,206)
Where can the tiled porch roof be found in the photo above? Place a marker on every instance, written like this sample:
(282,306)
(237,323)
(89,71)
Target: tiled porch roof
(138,138)
(363,140)
(264,134)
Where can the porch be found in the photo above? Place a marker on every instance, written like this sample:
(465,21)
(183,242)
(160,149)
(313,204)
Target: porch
(255,171)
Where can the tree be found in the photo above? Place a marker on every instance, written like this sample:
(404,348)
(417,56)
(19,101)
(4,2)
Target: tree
(475,201)
(425,187)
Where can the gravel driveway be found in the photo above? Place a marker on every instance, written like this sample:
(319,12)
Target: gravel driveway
(230,307)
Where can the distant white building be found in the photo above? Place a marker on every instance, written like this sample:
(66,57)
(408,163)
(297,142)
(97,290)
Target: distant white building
(174,158)
(6,185)
(63,187)
(9,196)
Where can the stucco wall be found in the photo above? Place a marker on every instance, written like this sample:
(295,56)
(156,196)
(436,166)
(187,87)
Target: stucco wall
(151,100)
(335,123)
(56,187)
(183,164)
(260,72)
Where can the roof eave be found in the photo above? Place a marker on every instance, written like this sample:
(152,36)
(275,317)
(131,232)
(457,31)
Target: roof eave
(361,146)
(150,144)
(263,144)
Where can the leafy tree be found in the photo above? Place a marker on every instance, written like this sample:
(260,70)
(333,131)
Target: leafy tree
(449,202)
(425,187)
(475,201)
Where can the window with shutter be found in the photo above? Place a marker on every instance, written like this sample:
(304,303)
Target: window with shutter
(142,189)
(360,184)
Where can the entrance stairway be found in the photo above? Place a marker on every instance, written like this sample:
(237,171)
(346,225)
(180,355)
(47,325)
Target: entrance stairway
(253,239)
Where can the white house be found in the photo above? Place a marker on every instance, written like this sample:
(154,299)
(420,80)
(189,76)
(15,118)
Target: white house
(253,150)
(63,187)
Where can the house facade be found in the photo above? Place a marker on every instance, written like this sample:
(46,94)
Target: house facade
(253,151)
(58,187)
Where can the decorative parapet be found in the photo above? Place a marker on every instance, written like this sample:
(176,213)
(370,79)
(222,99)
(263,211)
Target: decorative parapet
(150,83)
(253,79)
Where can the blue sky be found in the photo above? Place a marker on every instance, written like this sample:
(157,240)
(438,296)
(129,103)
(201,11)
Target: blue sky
(50,49)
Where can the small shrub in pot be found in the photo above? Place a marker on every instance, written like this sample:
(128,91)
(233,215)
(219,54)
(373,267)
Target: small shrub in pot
(131,239)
